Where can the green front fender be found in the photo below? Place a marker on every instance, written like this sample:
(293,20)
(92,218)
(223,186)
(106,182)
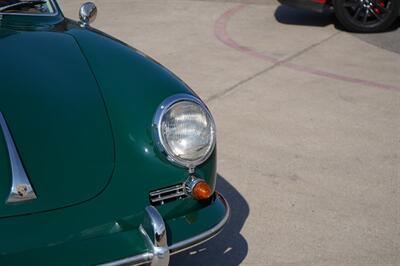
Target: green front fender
(133,87)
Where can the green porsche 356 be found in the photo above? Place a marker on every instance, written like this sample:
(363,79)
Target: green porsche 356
(105,156)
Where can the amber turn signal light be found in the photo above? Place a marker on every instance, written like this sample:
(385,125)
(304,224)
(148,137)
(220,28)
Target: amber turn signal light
(201,191)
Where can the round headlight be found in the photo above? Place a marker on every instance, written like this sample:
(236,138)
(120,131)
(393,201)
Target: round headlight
(185,130)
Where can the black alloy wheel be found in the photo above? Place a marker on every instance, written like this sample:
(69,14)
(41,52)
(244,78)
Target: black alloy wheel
(366,15)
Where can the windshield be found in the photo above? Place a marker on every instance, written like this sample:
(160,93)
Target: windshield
(33,7)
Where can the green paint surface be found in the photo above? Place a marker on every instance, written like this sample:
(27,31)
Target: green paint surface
(80,107)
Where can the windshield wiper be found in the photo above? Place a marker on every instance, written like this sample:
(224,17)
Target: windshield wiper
(22,4)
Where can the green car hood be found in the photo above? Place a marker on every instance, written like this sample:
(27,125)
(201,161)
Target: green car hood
(57,118)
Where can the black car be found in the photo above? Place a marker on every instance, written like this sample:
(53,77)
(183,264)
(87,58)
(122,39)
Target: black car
(356,15)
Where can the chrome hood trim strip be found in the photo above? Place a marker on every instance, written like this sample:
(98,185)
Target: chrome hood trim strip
(21,188)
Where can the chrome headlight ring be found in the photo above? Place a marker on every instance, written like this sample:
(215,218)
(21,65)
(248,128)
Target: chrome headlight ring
(198,125)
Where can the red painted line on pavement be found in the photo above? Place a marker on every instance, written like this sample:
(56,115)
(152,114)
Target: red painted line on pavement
(221,33)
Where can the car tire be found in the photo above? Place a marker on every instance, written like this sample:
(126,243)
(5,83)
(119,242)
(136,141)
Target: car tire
(366,16)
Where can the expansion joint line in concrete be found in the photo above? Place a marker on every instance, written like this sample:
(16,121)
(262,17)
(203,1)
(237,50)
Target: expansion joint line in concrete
(275,64)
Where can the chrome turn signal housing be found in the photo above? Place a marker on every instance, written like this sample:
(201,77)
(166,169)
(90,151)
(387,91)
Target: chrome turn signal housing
(198,188)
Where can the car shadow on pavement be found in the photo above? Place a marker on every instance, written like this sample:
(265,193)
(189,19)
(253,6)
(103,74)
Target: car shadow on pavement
(229,248)
(297,16)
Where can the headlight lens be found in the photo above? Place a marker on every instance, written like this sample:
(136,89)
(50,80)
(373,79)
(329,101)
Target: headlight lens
(185,130)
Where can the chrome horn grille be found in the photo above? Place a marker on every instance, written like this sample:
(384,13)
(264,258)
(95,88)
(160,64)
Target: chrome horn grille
(164,195)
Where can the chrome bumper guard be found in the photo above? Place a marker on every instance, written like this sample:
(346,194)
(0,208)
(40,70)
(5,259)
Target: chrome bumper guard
(156,239)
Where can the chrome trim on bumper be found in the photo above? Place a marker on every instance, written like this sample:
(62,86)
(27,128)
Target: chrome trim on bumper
(205,236)
(158,243)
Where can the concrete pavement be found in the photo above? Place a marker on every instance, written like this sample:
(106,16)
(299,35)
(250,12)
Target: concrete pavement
(308,126)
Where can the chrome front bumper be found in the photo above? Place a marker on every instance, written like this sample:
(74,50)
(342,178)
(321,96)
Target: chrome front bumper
(154,233)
